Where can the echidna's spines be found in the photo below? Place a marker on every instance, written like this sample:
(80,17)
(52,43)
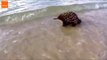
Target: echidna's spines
(69,18)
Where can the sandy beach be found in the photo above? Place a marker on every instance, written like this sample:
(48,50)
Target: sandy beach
(46,39)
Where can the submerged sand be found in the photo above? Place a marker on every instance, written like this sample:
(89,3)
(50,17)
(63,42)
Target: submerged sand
(46,39)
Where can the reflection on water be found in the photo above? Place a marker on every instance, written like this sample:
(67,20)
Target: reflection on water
(45,38)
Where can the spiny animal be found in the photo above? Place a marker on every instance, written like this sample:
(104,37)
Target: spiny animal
(69,18)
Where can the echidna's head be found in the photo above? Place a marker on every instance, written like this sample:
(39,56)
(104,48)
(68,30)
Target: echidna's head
(59,18)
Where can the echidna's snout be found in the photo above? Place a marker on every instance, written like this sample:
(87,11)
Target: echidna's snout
(55,18)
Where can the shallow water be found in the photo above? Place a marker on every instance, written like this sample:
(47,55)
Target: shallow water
(45,38)
(32,34)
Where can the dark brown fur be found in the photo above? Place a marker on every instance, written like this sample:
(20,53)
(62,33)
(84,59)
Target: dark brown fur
(69,18)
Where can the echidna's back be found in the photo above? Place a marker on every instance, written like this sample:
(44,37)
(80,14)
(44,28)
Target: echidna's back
(67,16)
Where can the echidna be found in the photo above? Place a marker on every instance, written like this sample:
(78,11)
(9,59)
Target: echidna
(69,18)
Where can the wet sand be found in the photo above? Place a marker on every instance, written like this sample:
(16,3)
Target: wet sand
(46,39)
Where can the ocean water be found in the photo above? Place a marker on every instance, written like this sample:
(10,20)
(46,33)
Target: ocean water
(28,31)
(16,6)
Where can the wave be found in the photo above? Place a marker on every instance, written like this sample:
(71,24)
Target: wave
(51,10)
(17,6)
